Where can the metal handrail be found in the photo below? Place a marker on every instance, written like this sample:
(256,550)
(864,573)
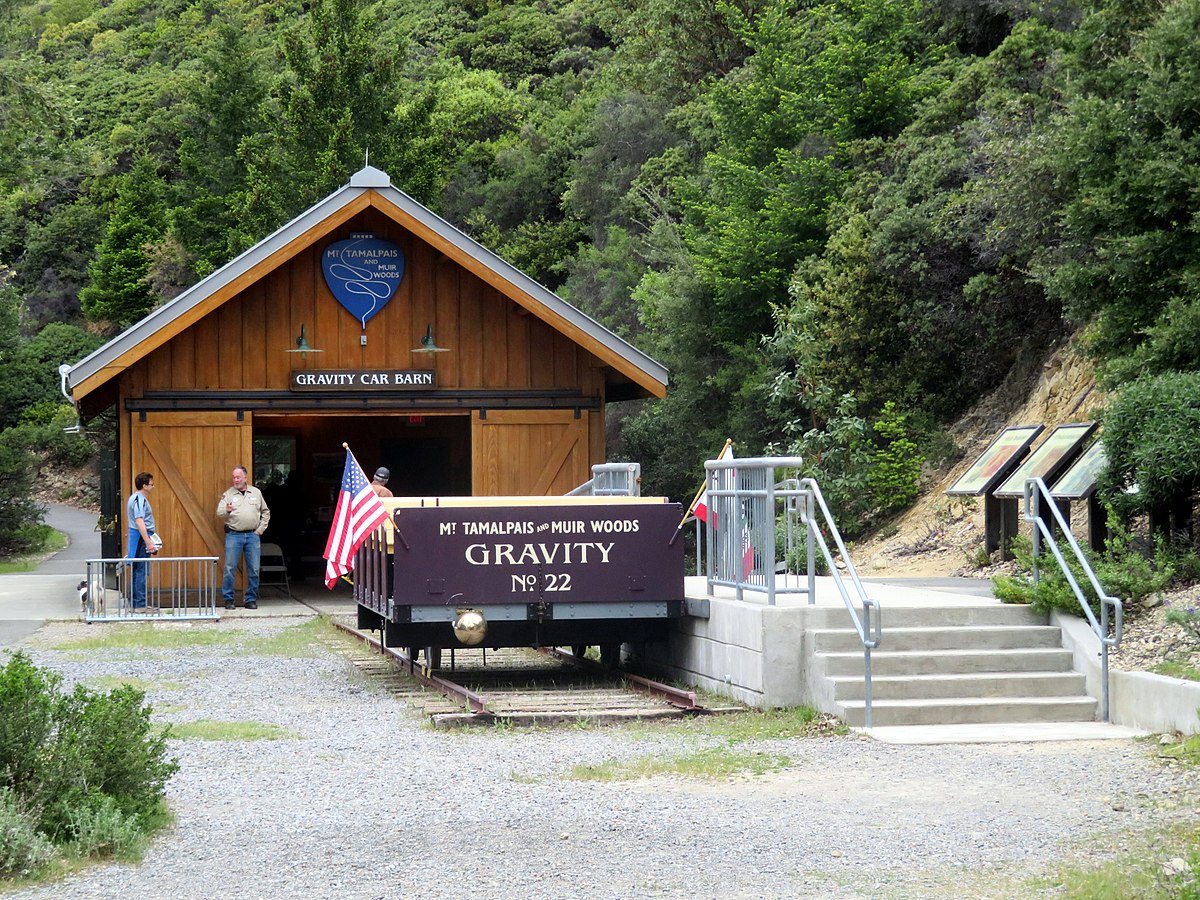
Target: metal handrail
(742,495)
(871,637)
(611,480)
(1035,491)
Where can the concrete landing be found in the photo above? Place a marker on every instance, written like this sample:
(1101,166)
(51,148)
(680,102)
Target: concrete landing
(1024,732)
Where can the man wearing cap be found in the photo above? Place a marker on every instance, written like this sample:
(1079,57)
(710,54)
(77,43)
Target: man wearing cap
(379,482)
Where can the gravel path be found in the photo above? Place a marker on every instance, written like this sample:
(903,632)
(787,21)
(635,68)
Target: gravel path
(368,802)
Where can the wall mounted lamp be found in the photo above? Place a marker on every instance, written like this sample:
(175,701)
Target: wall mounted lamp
(302,345)
(428,344)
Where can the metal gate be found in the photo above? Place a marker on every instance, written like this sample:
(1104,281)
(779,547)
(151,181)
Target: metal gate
(177,588)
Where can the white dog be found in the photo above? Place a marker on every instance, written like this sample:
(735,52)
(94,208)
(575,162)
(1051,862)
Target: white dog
(93,592)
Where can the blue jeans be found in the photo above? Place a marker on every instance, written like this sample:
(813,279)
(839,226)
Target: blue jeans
(236,545)
(137,550)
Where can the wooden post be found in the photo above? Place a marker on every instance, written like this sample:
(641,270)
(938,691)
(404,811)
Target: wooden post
(1097,523)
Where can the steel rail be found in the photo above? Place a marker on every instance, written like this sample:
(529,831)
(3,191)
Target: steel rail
(677,697)
(1037,494)
(477,702)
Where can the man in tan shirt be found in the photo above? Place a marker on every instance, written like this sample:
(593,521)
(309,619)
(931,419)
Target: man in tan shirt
(245,515)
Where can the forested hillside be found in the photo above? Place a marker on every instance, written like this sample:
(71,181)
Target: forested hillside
(837,223)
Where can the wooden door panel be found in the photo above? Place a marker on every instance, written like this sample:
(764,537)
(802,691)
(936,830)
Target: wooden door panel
(529,452)
(190,456)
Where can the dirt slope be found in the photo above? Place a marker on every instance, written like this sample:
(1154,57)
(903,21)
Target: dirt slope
(943,535)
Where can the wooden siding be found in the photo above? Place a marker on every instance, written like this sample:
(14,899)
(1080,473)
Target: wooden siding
(191,456)
(493,342)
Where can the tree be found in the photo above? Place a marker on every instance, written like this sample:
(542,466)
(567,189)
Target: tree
(333,102)
(119,293)
(1126,152)
(222,110)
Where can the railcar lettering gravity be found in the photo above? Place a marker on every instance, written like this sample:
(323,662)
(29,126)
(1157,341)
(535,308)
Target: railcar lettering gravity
(537,554)
(538,572)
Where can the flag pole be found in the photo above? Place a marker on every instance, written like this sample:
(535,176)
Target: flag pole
(692,505)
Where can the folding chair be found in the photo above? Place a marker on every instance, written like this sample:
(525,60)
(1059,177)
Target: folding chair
(272,569)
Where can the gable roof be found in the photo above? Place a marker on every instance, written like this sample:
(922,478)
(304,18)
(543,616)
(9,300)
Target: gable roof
(369,187)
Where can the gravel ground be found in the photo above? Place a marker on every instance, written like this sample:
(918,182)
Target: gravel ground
(369,802)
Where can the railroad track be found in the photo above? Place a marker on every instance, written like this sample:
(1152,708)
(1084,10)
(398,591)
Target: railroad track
(520,686)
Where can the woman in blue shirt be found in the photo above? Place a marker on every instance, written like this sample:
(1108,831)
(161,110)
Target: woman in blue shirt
(141,527)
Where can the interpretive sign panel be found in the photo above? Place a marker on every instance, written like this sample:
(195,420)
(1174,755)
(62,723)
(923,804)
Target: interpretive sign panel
(1079,481)
(1054,453)
(997,460)
(464,556)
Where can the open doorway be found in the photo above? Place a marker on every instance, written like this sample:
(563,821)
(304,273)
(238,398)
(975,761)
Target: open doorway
(298,463)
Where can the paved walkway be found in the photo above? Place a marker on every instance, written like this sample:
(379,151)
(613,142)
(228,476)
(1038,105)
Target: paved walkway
(28,599)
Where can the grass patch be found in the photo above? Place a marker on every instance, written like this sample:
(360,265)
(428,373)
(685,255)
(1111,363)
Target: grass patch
(1186,751)
(150,636)
(49,543)
(724,761)
(1177,670)
(215,730)
(294,642)
(770,724)
(1171,869)
(716,763)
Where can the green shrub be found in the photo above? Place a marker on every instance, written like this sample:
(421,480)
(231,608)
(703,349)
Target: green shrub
(1152,440)
(1123,571)
(41,430)
(100,829)
(17,508)
(895,476)
(24,852)
(86,769)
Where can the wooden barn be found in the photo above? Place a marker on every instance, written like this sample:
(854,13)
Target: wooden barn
(366,319)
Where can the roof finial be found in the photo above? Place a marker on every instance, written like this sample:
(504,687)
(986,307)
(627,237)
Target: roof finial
(366,157)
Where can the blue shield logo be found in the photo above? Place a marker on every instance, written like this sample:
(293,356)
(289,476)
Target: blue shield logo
(363,273)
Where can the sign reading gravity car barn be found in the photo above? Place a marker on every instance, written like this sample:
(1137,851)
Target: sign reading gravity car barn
(363,379)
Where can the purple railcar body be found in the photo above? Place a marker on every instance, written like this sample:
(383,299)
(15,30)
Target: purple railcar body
(475,556)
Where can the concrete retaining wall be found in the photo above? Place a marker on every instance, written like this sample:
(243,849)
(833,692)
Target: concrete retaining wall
(752,653)
(1136,699)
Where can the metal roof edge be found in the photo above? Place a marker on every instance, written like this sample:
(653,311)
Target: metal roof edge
(519,279)
(366,179)
(201,290)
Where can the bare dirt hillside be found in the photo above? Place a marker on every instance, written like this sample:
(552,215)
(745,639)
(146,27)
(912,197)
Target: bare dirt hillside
(943,535)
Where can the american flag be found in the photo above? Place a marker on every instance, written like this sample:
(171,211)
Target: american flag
(359,512)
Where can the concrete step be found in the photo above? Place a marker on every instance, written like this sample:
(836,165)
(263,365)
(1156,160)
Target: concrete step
(945,662)
(969,711)
(950,616)
(977,685)
(963,637)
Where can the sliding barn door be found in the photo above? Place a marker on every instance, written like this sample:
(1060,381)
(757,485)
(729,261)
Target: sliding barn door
(191,456)
(529,452)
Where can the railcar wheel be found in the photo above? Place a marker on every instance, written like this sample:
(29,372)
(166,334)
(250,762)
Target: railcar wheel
(578,650)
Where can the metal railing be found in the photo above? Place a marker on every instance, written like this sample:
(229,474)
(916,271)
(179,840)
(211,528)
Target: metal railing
(746,506)
(177,588)
(1035,493)
(611,480)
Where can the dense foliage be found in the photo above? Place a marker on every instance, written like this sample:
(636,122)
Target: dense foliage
(82,773)
(807,209)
